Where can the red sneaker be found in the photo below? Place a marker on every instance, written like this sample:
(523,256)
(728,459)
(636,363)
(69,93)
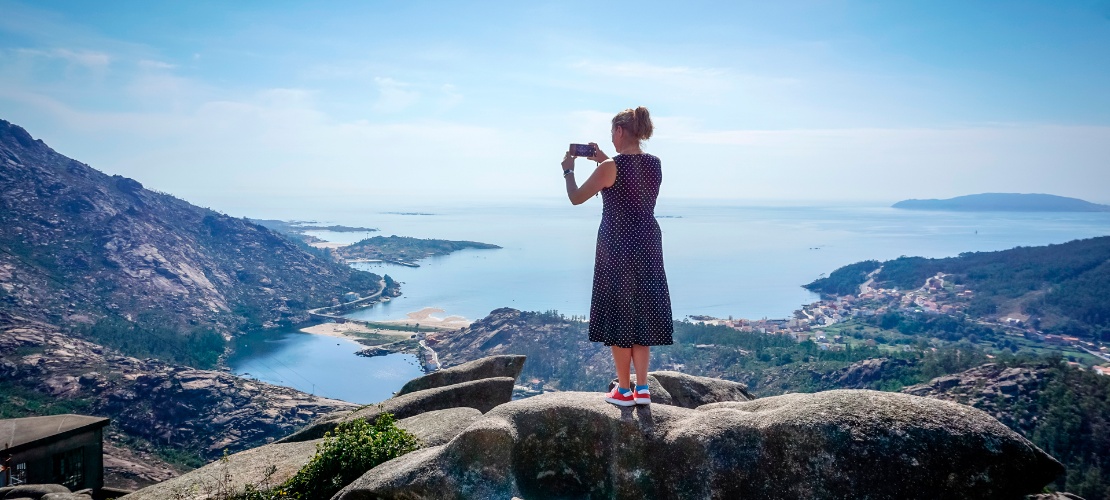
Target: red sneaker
(642,396)
(615,397)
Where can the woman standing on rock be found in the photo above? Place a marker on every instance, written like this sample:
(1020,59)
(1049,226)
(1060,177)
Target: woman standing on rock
(631,305)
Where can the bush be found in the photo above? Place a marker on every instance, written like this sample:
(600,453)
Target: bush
(346,453)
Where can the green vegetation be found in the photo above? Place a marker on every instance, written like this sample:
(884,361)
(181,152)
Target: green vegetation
(1070,420)
(1064,286)
(768,363)
(406,249)
(401,327)
(774,364)
(846,280)
(152,336)
(345,454)
(19,401)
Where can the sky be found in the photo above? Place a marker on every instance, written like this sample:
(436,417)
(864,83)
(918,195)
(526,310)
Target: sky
(236,104)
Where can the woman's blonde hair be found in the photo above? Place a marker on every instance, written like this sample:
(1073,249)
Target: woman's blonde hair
(636,122)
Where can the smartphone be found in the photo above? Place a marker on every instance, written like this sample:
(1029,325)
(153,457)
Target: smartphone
(581,150)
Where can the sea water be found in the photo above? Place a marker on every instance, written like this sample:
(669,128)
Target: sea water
(740,261)
(721,260)
(321,365)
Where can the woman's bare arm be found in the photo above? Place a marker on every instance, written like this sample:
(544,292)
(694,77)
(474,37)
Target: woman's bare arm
(603,176)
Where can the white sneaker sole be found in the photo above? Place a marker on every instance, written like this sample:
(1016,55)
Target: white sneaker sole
(643,401)
(619,402)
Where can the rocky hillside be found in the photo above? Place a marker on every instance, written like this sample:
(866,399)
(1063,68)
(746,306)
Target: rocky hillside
(562,358)
(706,443)
(1064,410)
(77,246)
(156,408)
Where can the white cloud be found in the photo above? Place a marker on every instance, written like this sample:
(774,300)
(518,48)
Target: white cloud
(888,163)
(87,58)
(155,65)
(394,96)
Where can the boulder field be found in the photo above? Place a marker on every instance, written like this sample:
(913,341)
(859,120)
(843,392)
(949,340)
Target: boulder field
(834,444)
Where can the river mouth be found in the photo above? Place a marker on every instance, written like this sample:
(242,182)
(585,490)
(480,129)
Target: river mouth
(321,365)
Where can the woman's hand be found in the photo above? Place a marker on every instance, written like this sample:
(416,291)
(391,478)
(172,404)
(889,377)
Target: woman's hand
(568,161)
(598,156)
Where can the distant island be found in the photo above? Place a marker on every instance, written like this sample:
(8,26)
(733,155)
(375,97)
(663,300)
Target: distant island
(402,249)
(1005,202)
(299,227)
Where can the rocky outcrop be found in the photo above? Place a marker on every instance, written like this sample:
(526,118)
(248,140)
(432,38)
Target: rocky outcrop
(691,391)
(271,465)
(488,367)
(437,427)
(202,411)
(836,444)
(560,355)
(864,374)
(1009,394)
(35,491)
(482,395)
(261,468)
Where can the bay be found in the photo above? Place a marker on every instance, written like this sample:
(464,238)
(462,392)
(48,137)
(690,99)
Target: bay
(721,259)
(321,365)
(741,261)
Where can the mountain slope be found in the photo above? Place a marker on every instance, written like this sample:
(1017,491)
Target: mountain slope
(78,246)
(1064,286)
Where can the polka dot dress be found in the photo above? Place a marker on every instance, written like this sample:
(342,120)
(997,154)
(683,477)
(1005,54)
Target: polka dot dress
(631,302)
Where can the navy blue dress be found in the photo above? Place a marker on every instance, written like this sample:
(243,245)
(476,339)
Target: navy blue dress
(631,302)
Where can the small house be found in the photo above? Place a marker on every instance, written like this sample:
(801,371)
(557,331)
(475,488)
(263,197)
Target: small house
(57,449)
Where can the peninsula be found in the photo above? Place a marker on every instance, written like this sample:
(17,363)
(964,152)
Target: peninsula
(403,250)
(1005,202)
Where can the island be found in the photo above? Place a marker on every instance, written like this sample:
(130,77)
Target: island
(403,250)
(1005,202)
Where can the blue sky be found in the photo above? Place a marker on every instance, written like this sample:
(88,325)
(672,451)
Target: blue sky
(227,103)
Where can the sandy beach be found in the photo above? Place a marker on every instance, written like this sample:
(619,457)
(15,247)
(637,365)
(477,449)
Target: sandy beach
(425,318)
(346,330)
(327,244)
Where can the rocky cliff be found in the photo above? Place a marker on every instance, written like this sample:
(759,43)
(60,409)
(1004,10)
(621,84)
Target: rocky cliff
(154,406)
(1063,409)
(77,245)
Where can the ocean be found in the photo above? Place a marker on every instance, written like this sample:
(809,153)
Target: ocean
(721,259)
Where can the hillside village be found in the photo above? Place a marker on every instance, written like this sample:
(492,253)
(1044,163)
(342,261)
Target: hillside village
(936,296)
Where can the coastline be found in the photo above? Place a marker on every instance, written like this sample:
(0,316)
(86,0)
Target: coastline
(351,331)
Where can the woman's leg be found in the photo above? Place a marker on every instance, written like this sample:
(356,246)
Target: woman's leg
(640,359)
(622,357)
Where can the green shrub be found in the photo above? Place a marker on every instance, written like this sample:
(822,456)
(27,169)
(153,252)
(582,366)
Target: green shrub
(345,454)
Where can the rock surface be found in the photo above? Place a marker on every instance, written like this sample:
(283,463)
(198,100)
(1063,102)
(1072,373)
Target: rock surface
(270,465)
(31,490)
(263,467)
(438,427)
(1008,394)
(836,444)
(488,367)
(479,394)
(690,391)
